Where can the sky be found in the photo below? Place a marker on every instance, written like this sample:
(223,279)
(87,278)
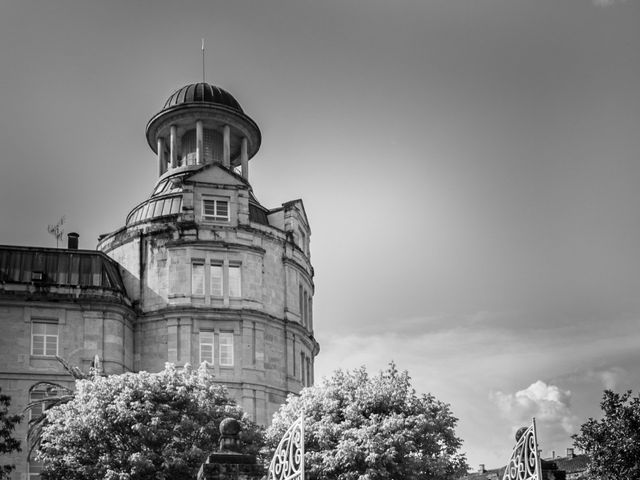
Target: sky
(469,167)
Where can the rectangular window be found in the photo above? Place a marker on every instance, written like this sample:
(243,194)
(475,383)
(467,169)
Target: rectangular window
(226,349)
(206,347)
(300,303)
(215,209)
(44,339)
(235,281)
(39,395)
(197,279)
(216,280)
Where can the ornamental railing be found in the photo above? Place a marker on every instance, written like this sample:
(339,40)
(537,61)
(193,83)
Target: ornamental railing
(288,460)
(525,460)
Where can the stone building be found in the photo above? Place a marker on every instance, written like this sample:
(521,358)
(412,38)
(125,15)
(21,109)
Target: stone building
(200,272)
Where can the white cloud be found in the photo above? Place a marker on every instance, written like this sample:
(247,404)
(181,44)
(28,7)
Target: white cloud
(550,406)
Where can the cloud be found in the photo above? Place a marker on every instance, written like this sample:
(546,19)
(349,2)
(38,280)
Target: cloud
(550,406)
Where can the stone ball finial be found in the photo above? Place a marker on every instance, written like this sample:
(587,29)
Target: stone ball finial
(229,426)
(229,435)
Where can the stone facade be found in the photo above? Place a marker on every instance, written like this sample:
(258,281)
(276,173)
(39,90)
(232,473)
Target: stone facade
(201,272)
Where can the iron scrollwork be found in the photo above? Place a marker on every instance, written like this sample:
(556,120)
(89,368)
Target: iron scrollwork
(525,460)
(288,460)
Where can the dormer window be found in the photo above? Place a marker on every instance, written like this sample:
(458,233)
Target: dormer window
(215,209)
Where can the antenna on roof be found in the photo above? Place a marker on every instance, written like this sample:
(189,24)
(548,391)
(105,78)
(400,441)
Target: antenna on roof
(56,230)
(203,60)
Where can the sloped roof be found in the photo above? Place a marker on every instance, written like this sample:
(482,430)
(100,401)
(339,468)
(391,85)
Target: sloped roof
(57,266)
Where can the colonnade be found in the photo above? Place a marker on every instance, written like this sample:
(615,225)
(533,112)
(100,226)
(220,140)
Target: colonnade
(172,160)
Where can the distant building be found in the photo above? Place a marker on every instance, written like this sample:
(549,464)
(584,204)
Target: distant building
(200,272)
(571,467)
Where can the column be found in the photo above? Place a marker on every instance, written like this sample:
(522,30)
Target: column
(244,159)
(199,143)
(173,146)
(162,161)
(226,146)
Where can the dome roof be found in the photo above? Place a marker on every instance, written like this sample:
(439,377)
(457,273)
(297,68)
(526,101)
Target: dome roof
(202,93)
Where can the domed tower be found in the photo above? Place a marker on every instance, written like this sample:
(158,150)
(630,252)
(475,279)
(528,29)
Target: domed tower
(215,276)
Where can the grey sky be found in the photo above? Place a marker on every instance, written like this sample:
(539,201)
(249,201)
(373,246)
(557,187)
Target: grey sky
(470,168)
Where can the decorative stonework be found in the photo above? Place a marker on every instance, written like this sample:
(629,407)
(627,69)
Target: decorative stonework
(227,463)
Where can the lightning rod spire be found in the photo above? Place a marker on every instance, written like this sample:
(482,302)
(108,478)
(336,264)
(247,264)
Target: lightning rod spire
(203,60)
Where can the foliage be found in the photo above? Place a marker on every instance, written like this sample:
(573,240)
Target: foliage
(613,443)
(359,427)
(59,395)
(8,444)
(139,427)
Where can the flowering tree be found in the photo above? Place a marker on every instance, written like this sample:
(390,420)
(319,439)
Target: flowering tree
(359,427)
(139,426)
(8,443)
(613,443)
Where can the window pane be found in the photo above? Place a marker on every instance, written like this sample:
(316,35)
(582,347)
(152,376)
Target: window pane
(235,281)
(215,209)
(145,212)
(38,345)
(160,187)
(51,346)
(206,347)
(44,338)
(226,349)
(158,208)
(209,208)
(175,205)
(197,279)
(222,209)
(166,207)
(216,280)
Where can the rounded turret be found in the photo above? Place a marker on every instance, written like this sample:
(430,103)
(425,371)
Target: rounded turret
(202,124)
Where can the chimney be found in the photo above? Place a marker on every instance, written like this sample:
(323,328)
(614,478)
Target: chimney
(481,469)
(72,240)
(570,453)
(553,454)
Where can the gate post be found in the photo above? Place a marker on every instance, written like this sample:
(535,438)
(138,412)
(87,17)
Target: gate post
(228,463)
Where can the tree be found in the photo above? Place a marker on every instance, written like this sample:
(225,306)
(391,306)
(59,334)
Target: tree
(613,443)
(359,427)
(139,427)
(59,395)
(8,423)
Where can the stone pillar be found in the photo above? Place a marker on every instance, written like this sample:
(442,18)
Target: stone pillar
(173,146)
(162,161)
(199,143)
(226,146)
(228,463)
(244,159)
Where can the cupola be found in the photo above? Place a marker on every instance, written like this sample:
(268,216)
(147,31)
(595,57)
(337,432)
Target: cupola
(202,124)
